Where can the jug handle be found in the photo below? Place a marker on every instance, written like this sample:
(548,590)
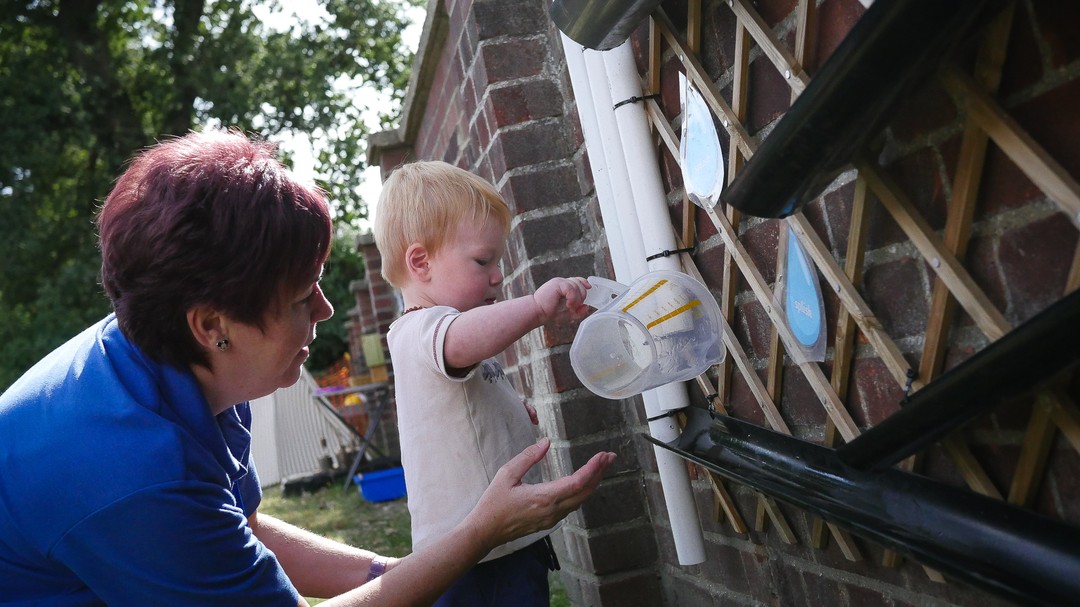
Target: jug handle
(603,291)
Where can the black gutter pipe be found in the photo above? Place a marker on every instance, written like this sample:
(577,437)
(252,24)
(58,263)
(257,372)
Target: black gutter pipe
(1017,554)
(890,49)
(1023,358)
(600,25)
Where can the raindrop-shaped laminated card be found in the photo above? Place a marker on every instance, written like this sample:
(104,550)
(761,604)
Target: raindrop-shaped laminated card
(799,295)
(700,154)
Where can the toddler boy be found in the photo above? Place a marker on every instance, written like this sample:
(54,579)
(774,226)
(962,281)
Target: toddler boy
(441,232)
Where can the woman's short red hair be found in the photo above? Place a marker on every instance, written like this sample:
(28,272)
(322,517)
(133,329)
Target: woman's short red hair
(210,218)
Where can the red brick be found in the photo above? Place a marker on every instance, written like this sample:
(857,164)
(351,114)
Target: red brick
(800,404)
(563,377)
(717,39)
(754,329)
(1062,482)
(560,331)
(770,95)
(622,549)
(742,403)
(551,233)
(926,109)
(920,177)
(511,59)
(776,11)
(1003,186)
(580,265)
(531,143)
(508,18)
(725,564)
(617,501)
(982,263)
(690,594)
(835,19)
(863,597)
(830,215)
(1055,22)
(590,414)
(524,101)
(549,185)
(638,589)
(1023,59)
(705,227)
(1035,260)
(1046,120)
(875,395)
(896,293)
(480,131)
(761,242)
(670,92)
(670,172)
(709,258)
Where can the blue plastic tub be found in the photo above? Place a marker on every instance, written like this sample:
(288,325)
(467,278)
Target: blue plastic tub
(383,485)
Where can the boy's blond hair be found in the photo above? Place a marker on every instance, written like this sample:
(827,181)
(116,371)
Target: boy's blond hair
(424,202)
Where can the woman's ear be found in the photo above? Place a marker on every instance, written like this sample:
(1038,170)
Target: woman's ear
(418,262)
(207,325)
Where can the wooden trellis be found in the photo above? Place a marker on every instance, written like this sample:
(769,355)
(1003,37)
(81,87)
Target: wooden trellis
(985,121)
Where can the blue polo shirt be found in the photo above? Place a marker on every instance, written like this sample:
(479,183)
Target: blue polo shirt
(118,487)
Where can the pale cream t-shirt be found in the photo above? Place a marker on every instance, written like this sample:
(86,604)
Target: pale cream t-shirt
(455,431)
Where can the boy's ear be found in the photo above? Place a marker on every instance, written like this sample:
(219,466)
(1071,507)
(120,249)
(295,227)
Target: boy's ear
(418,262)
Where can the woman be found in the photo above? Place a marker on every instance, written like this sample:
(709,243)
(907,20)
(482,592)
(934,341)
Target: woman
(127,477)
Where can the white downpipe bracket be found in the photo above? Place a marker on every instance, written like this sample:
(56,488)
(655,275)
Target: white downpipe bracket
(625,166)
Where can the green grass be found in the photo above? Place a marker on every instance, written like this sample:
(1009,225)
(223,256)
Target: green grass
(344,516)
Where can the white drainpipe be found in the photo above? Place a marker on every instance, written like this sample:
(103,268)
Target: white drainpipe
(634,211)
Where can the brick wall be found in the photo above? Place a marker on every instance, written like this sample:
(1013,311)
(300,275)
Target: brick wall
(496,100)
(1022,248)
(500,105)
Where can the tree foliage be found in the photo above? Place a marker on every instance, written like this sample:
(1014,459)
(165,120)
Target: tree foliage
(84,84)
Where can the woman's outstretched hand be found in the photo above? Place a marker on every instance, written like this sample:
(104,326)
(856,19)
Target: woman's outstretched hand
(510,509)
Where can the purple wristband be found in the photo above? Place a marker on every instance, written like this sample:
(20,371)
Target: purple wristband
(377,568)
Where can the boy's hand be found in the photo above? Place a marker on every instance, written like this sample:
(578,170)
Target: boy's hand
(562,293)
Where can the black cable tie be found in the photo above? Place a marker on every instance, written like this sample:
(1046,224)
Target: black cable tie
(669,253)
(911,375)
(635,100)
(663,415)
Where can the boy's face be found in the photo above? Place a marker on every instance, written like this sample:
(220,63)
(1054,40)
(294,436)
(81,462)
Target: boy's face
(465,273)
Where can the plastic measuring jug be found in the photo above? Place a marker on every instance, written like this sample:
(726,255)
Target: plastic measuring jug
(665,327)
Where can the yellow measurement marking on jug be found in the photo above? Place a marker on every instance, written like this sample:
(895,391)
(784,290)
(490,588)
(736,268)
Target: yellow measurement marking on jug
(693,304)
(644,295)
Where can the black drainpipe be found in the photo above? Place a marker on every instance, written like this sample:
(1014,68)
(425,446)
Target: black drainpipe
(1027,356)
(1015,553)
(892,48)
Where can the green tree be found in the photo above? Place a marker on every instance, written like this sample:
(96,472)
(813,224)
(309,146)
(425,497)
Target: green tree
(84,84)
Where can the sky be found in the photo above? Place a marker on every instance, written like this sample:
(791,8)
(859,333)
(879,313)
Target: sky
(300,146)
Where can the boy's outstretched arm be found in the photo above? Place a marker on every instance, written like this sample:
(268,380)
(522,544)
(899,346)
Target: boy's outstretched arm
(485,331)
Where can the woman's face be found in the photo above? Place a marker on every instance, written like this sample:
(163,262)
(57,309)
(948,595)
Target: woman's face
(268,359)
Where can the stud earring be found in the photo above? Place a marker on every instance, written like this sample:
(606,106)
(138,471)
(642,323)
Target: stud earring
(223,344)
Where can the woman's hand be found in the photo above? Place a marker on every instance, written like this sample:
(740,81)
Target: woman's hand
(510,509)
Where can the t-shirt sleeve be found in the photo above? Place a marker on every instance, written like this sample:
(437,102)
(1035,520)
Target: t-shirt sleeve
(434,324)
(180,544)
